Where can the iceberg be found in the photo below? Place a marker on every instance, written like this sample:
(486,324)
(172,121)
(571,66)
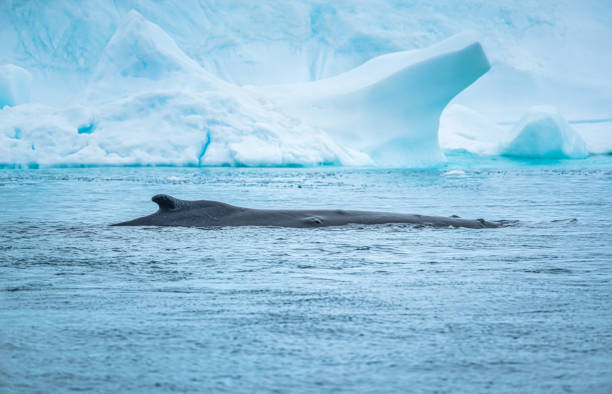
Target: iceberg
(148,103)
(390,106)
(14,85)
(291,83)
(543,133)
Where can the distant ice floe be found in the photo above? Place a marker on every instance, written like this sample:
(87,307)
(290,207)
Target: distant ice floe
(543,133)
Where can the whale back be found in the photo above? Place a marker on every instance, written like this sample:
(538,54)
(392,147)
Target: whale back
(206,213)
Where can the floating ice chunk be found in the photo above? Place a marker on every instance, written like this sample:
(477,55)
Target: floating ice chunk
(543,133)
(14,85)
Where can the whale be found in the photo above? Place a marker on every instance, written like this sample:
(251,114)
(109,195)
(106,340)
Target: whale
(205,213)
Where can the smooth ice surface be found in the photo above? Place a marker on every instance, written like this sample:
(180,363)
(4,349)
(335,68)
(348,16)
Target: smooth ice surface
(543,133)
(390,106)
(85,306)
(14,85)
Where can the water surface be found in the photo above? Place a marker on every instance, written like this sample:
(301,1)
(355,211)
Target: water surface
(527,308)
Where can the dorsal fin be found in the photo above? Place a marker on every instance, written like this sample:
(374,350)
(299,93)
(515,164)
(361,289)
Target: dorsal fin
(166,202)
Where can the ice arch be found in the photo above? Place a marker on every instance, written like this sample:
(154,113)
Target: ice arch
(390,106)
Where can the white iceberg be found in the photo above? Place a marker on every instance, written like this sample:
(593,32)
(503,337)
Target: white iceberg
(390,106)
(543,133)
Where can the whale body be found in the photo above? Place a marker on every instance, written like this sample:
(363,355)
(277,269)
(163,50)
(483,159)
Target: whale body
(204,213)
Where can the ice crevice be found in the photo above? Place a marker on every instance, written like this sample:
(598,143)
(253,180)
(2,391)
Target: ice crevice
(205,146)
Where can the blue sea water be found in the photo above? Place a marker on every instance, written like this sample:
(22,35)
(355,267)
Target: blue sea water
(526,308)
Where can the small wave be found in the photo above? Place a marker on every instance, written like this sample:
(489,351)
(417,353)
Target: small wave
(177,179)
(552,270)
(28,287)
(457,173)
(565,221)
(507,223)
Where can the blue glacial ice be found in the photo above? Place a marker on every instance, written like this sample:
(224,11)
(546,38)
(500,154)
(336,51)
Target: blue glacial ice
(543,133)
(292,83)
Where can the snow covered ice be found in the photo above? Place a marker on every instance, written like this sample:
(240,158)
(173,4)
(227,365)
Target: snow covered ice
(294,83)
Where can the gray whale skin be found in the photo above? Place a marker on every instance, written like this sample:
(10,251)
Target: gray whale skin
(204,213)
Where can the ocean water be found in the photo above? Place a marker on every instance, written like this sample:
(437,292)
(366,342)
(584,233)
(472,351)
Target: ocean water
(527,308)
